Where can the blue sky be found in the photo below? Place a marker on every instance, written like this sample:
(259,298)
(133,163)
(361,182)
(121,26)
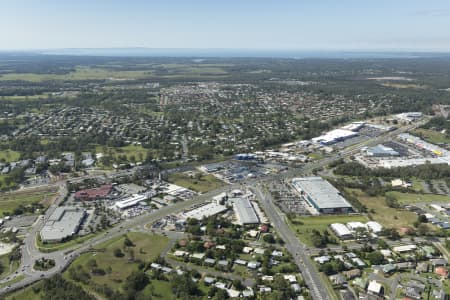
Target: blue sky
(258,24)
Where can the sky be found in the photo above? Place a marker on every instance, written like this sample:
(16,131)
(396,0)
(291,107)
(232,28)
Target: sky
(422,25)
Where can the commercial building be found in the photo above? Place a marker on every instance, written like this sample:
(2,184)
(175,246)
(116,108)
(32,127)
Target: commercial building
(130,201)
(334,136)
(341,231)
(63,223)
(375,227)
(244,211)
(93,194)
(204,211)
(421,144)
(381,151)
(321,195)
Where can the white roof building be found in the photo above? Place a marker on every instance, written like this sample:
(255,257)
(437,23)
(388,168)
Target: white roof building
(341,230)
(375,227)
(374,288)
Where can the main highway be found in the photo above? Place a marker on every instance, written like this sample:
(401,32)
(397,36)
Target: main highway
(26,275)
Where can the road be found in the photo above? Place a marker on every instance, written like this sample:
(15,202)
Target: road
(63,258)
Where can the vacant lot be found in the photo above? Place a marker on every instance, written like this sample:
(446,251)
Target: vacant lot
(303,226)
(198,182)
(431,136)
(380,212)
(11,200)
(9,155)
(146,248)
(410,198)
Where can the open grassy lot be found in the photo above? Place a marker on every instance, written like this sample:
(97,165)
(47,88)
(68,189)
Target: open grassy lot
(81,73)
(303,226)
(431,136)
(7,269)
(129,151)
(9,155)
(11,200)
(203,183)
(409,198)
(380,212)
(26,293)
(146,248)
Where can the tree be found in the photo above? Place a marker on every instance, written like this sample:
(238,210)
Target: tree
(375,258)
(136,281)
(118,253)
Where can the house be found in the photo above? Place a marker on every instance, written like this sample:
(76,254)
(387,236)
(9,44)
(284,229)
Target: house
(253,264)
(422,267)
(350,274)
(438,262)
(374,288)
(322,259)
(296,288)
(248,292)
(223,263)
(210,261)
(441,271)
(277,253)
(247,250)
(240,262)
(337,279)
(290,277)
(209,280)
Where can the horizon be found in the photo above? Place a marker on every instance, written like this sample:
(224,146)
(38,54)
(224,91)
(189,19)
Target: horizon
(269,25)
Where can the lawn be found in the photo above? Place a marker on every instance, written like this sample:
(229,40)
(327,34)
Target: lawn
(380,212)
(303,226)
(199,182)
(409,198)
(147,247)
(431,136)
(9,155)
(11,200)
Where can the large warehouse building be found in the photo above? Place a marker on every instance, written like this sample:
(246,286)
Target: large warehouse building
(321,195)
(244,211)
(62,224)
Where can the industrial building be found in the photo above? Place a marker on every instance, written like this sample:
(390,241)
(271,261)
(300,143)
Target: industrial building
(334,136)
(341,231)
(321,195)
(244,211)
(204,211)
(381,151)
(63,223)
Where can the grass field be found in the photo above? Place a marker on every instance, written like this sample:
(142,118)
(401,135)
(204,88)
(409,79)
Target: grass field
(380,212)
(147,247)
(431,136)
(9,155)
(307,224)
(203,184)
(129,151)
(409,198)
(100,73)
(11,200)
(4,260)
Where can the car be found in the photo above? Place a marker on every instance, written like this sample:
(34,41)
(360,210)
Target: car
(42,275)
